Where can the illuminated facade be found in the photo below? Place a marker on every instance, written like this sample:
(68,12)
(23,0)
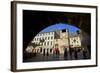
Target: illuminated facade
(47,41)
(75,41)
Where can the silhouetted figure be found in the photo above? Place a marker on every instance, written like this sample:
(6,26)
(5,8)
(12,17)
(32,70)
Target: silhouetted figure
(71,52)
(65,53)
(44,52)
(47,52)
(85,53)
(34,52)
(56,54)
(89,51)
(80,53)
(75,53)
(50,50)
(57,51)
(40,49)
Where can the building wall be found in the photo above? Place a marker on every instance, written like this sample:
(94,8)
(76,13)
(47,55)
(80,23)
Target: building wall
(75,41)
(60,38)
(62,41)
(48,42)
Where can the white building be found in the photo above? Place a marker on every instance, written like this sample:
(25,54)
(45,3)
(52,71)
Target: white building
(75,41)
(47,41)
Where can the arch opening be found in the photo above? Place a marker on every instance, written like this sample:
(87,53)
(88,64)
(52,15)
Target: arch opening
(37,22)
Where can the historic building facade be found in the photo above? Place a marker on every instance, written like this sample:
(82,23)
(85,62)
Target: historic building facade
(75,41)
(48,41)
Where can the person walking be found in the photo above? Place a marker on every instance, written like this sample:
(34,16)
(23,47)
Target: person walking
(47,52)
(76,50)
(65,53)
(44,51)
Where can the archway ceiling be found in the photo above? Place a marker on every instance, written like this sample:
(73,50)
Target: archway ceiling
(35,21)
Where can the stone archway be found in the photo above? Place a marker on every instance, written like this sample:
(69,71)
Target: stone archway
(35,21)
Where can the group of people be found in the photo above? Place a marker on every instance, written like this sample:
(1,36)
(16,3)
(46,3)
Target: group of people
(76,53)
(69,53)
(72,53)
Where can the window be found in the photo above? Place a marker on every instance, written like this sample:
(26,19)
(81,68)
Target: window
(45,38)
(41,34)
(48,38)
(51,43)
(34,39)
(44,43)
(74,40)
(51,38)
(48,43)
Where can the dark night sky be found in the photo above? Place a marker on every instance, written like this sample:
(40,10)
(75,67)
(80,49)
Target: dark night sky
(35,21)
